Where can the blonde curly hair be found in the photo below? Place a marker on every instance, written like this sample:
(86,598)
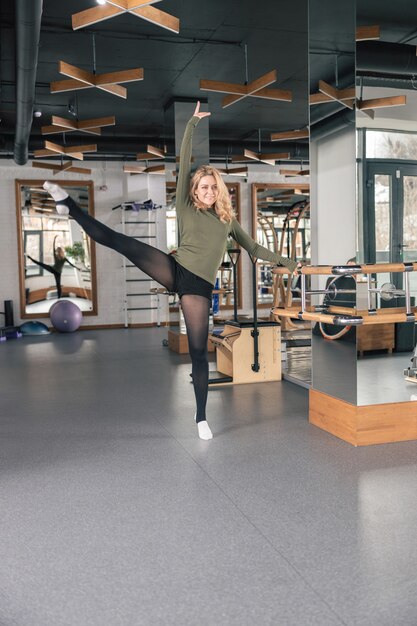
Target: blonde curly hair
(223,204)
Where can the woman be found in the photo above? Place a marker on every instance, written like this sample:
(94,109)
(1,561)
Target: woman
(205,220)
(56,269)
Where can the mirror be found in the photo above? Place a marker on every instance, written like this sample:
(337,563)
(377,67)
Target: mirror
(387,192)
(332,164)
(281,223)
(56,257)
(225,272)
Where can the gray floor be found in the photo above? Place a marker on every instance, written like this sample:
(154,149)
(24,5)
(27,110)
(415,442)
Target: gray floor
(113,513)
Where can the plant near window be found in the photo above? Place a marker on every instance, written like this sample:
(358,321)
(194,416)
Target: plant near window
(76,251)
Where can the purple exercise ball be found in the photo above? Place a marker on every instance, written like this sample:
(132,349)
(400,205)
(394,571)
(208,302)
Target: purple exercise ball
(65,316)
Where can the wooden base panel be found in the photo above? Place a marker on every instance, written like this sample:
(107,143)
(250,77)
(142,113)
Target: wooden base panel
(363,425)
(178,342)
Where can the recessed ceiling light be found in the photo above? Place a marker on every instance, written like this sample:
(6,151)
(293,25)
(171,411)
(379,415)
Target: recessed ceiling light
(101,1)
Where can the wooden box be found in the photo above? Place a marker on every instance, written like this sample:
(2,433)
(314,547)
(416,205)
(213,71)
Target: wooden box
(178,342)
(375,337)
(235,353)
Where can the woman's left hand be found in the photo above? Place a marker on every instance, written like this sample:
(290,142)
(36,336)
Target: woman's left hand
(298,268)
(199,114)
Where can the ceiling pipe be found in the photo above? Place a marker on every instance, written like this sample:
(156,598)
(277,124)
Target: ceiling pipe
(385,59)
(28,28)
(334,124)
(317,113)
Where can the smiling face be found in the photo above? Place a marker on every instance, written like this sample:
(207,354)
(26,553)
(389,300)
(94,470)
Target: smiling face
(207,191)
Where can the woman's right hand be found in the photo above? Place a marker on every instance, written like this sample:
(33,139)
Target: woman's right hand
(197,111)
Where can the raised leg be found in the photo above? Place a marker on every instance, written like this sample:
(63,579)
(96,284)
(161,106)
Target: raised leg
(155,263)
(45,266)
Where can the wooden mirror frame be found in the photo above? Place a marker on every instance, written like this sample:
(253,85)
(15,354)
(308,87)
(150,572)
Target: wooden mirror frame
(19,183)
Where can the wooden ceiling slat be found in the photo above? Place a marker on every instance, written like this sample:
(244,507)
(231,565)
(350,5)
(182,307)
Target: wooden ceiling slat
(160,18)
(275,94)
(116,90)
(96,122)
(229,100)
(76,73)
(290,135)
(53,130)
(367,33)
(261,82)
(47,166)
(334,93)
(75,155)
(62,121)
(375,103)
(222,87)
(94,15)
(58,86)
(122,76)
(136,4)
(120,4)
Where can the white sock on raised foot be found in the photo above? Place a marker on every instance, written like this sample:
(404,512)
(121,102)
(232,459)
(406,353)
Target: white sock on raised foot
(204,431)
(55,190)
(58,194)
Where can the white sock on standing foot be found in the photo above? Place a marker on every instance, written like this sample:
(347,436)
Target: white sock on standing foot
(58,194)
(204,431)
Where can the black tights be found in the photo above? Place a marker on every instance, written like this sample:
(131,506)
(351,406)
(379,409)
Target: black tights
(160,268)
(53,271)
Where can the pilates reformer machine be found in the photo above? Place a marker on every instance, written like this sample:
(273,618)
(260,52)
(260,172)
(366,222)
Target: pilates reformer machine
(331,313)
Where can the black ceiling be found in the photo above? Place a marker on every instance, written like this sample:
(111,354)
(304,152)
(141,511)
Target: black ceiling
(210,45)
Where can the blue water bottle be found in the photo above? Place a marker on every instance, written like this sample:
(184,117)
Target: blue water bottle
(215,304)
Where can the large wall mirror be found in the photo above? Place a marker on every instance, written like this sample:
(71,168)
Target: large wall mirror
(363,130)
(386,122)
(225,271)
(332,164)
(56,257)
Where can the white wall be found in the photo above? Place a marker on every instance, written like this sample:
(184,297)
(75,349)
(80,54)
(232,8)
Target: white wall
(120,186)
(333,199)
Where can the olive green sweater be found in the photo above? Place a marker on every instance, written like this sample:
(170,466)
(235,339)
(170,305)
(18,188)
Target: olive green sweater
(202,235)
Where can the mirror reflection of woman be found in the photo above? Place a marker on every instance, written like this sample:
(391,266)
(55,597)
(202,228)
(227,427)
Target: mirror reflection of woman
(56,269)
(205,220)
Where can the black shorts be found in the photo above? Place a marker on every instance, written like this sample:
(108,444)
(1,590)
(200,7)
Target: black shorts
(188,283)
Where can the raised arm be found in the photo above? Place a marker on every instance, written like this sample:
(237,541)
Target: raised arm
(55,238)
(258,251)
(183,183)
(69,263)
